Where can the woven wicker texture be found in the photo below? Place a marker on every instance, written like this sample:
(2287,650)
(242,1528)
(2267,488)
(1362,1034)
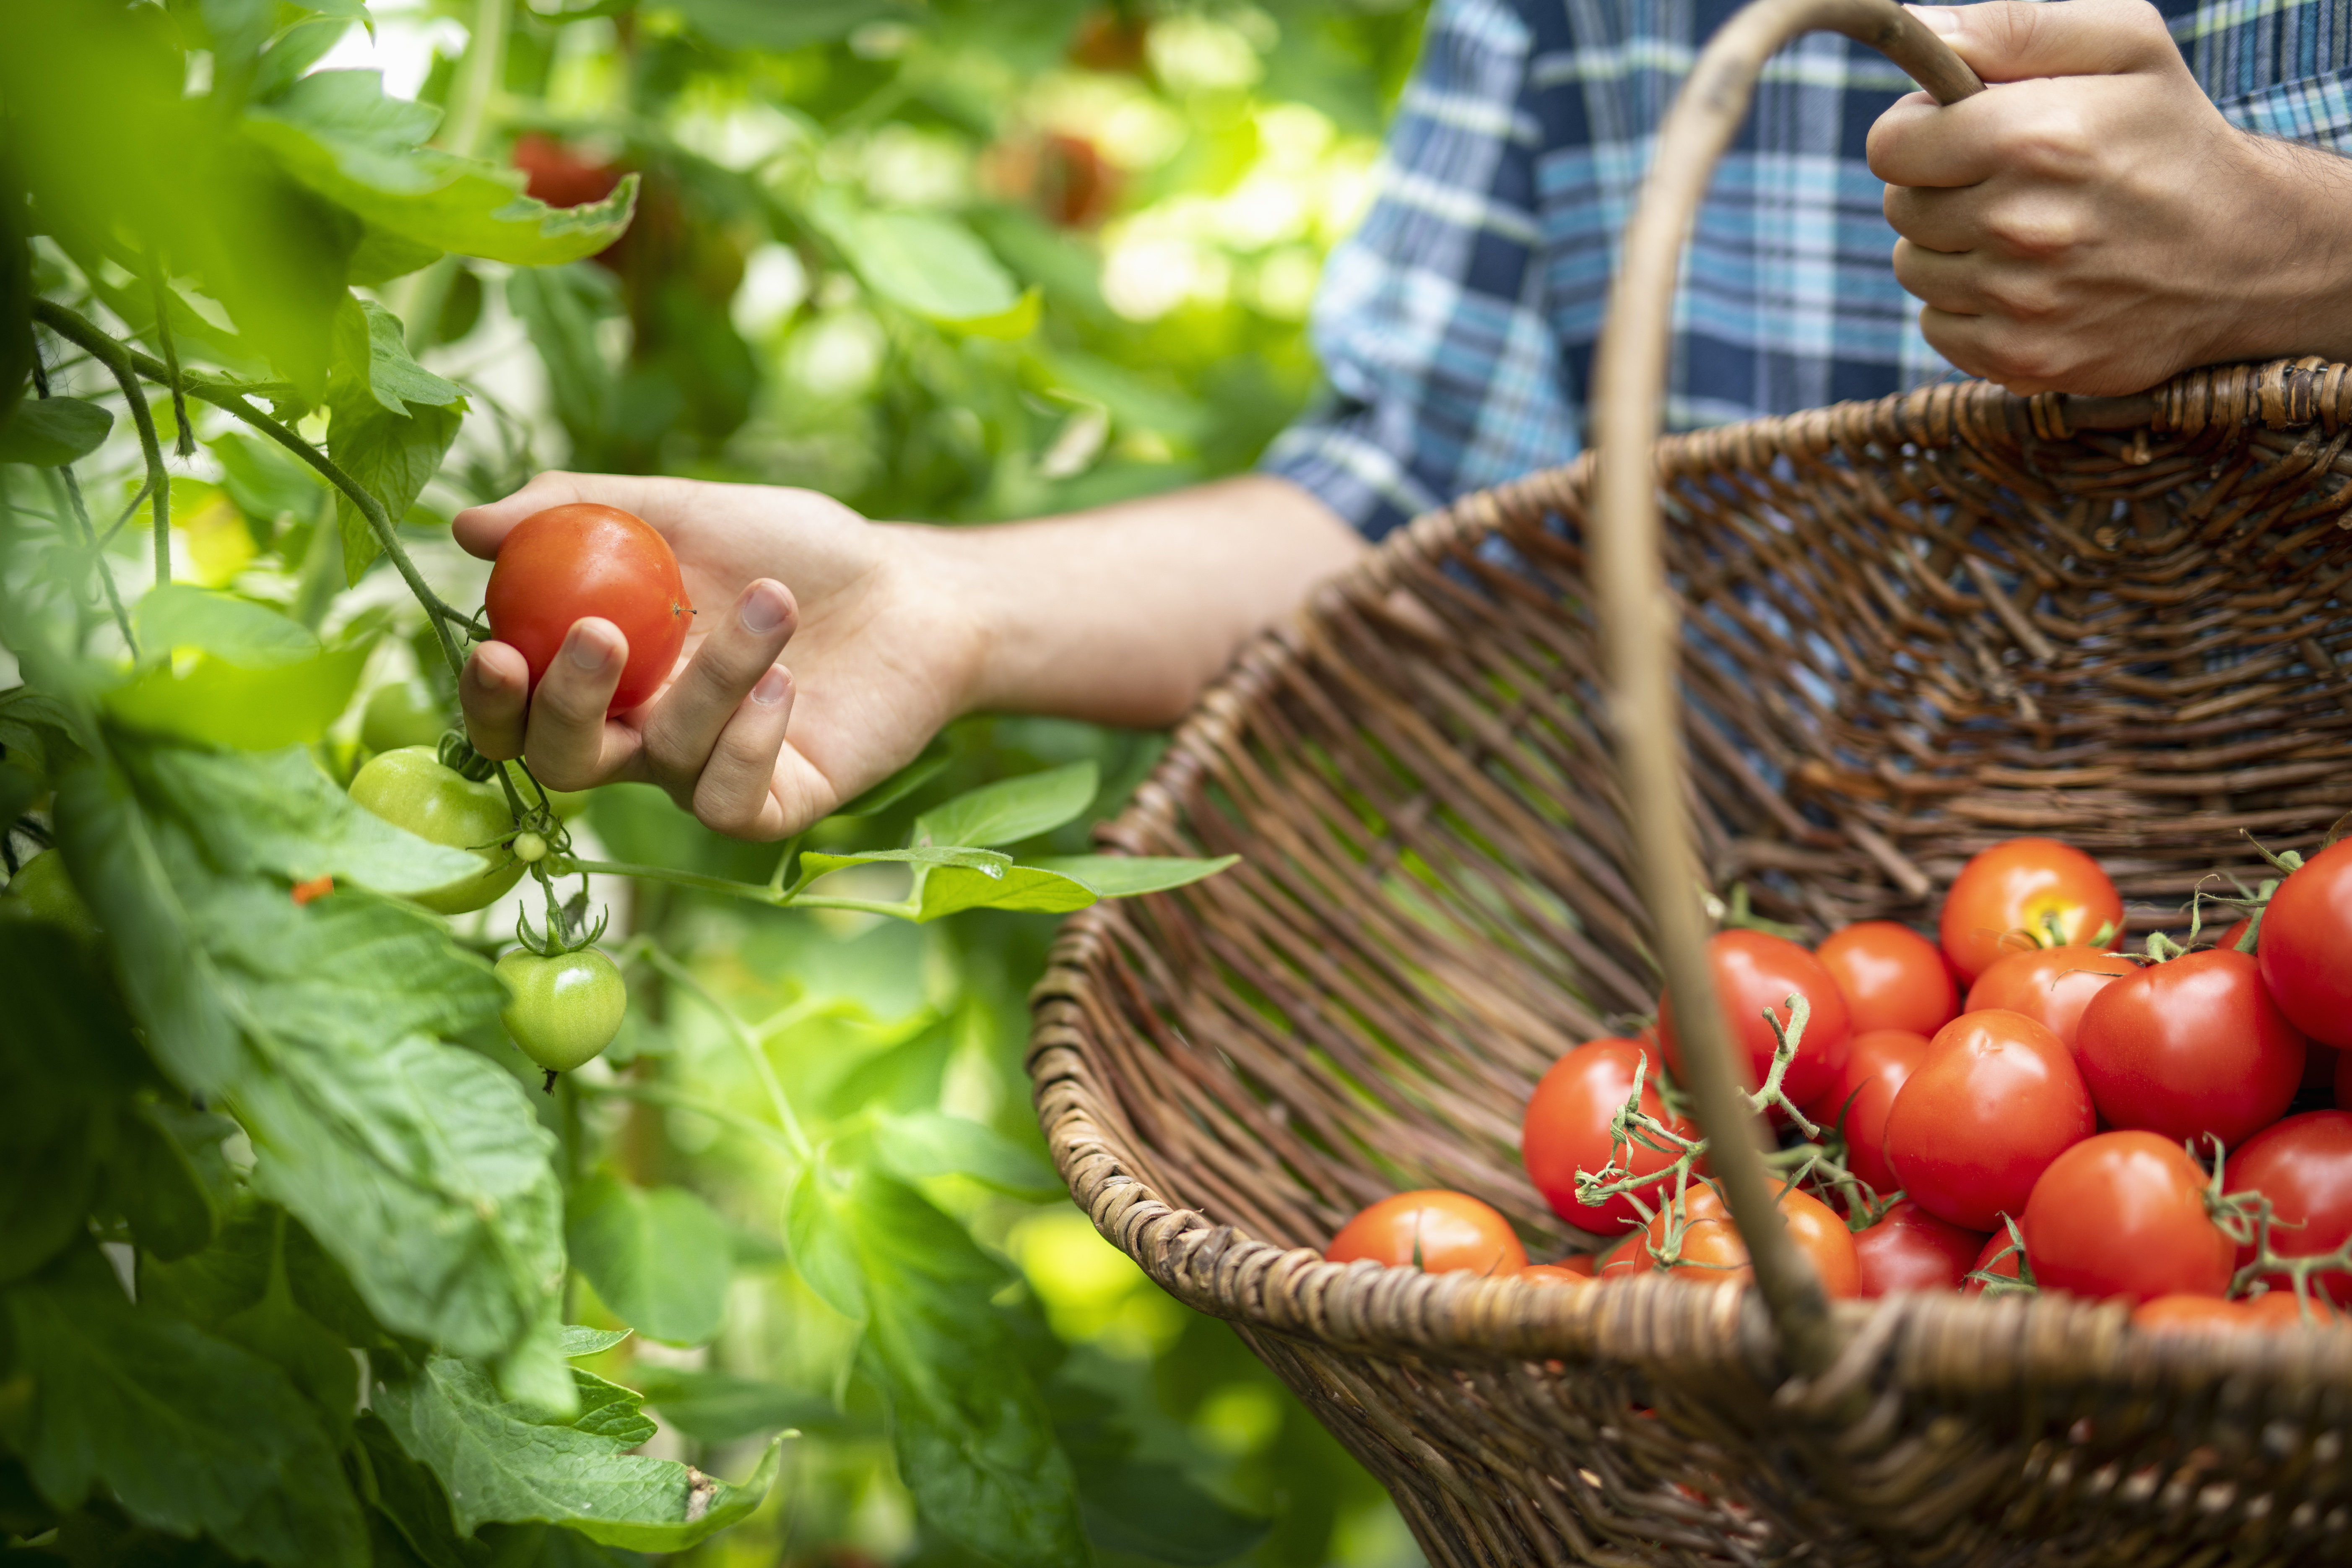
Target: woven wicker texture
(1911,628)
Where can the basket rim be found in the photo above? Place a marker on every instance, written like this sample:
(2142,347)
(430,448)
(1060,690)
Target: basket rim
(1932,1343)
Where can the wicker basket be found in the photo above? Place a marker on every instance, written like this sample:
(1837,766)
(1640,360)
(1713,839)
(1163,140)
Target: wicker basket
(1907,629)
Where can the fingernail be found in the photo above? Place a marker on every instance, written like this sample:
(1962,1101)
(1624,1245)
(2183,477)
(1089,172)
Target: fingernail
(772,687)
(1936,19)
(588,650)
(764,608)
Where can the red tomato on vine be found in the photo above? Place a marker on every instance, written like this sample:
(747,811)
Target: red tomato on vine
(2124,1214)
(2050,986)
(1891,977)
(1756,972)
(1996,1258)
(1436,1231)
(1911,1249)
(2026,893)
(571,562)
(1995,1100)
(2305,946)
(1566,1130)
(1713,1248)
(2190,1047)
(1877,1063)
(2304,1166)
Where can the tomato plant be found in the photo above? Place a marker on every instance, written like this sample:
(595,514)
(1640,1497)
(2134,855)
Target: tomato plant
(1891,977)
(412,789)
(569,563)
(1756,974)
(1911,1249)
(2305,936)
(1996,1098)
(2124,1214)
(2190,1047)
(1876,1066)
(2027,892)
(1435,1231)
(2050,986)
(562,1008)
(2303,1165)
(1566,1130)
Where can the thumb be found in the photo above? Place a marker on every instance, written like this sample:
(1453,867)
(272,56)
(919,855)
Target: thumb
(2015,40)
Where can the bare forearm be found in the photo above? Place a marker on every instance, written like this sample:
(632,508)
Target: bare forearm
(1122,615)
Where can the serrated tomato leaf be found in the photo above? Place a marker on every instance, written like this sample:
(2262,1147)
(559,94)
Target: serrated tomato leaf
(371,354)
(392,456)
(499,1462)
(933,1143)
(658,1256)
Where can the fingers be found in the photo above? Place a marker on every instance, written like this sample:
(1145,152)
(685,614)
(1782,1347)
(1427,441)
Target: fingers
(2015,40)
(494,690)
(480,530)
(567,739)
(684,723)
(736,792)
(2033,223)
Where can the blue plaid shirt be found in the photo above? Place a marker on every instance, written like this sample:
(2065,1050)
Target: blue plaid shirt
(1457,328)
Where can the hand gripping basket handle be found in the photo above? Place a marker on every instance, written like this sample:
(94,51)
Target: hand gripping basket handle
(1638,619)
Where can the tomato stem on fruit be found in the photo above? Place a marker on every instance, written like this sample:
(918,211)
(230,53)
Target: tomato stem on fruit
(1996,1283)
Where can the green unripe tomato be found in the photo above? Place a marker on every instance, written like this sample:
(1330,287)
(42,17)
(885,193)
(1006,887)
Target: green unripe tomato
(562,1010)
(42,889)
(409,788)
(529,848)
(404,713)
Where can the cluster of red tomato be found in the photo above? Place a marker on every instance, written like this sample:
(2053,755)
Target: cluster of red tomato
(2018,1101)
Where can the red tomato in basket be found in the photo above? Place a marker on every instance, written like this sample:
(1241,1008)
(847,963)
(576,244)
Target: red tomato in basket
(2307,946)
(1877,1063)
(1433,1230)
(2124,1214)
(579,559)
(1998,1258)
(2022,893)
(1713,1250)
(2189,1048)
(1911,1249)
(1996,1099)
(1553,1275)
(2236,933)
(1566,1130)
(2303,1166)
(2050,986)
(1755,971)
(1891,977)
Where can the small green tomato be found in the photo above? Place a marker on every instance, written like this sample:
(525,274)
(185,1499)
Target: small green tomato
(409,788)
(565,1009)
(529,848)
(404,713)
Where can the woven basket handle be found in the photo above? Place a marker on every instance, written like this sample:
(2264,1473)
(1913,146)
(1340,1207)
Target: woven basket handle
(1639,624)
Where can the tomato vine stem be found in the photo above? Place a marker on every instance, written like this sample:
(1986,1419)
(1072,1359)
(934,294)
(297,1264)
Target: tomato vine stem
(118,361)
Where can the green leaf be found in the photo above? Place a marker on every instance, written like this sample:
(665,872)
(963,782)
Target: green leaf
(561,309)
(764,25)
(337,133)
(578,1340)
(309,1354)
(717,1407)
(51,431)
(974,1444)
(822,1251)
(371,354)
(933,1143)
(1155,1512)
(154,1182)
(1012,810)
(212,701)
(409,1494)
(392,456)
(930,265)
(951,889)
(658,1257)
(274,813)
(497,1462)
(295,51)
(238,632)
(185,1431)
(897,787)
(1124,876)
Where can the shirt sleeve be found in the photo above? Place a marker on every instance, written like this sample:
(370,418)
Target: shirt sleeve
(1444,374)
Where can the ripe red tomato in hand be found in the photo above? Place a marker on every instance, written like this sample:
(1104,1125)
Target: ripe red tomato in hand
(2026,893)
(1877,1063)
(1755,971)
(2305,946)
(1566,1130)
(1997,1099)
(1712,1247)
(2303,1166)
(1891,977)
(2124,1214)
(2050,986)
(1911,1249)
(2189,1048)
(571,562)
(1436,1231)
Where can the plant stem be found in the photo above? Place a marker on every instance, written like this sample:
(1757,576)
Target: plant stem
(63,478)
(78,330)
(119,360)
(184,441)
(773,897)
(486,53)
(678,975)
